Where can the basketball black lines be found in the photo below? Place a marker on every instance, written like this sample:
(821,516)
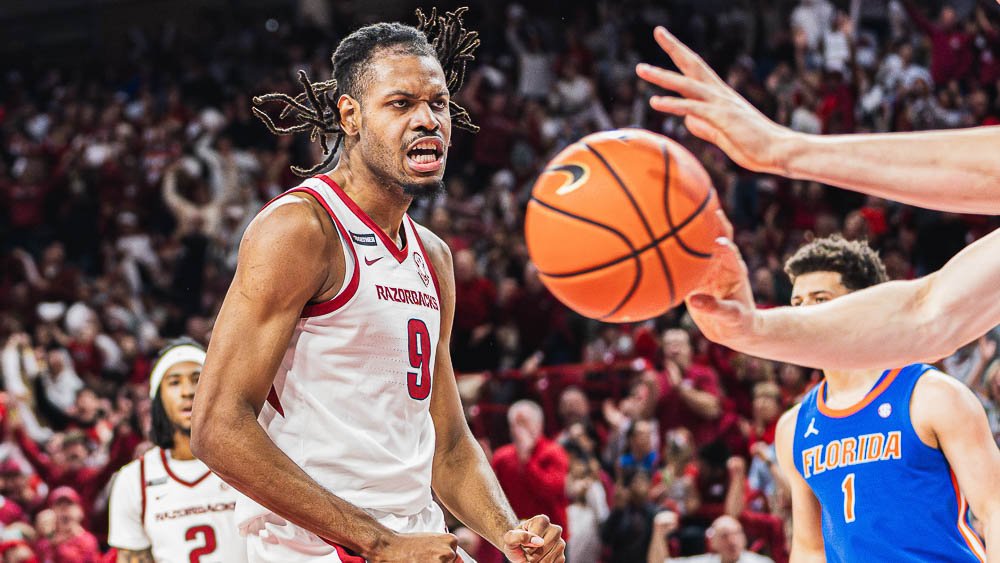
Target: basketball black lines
(642,217)
(666,208)
(633,254)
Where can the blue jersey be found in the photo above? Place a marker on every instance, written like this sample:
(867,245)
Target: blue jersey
(885,495)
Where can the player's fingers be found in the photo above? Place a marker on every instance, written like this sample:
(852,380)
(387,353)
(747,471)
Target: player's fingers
(727,227)
(681,106)
(673,81)
(537,525)
(517,538)
(687,60)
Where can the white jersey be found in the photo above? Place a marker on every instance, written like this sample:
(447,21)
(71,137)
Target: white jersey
(179,509)
(350,401)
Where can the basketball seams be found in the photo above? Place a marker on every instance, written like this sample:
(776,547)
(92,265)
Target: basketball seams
(635,251)
(634,254)
(666,207)
(642,217)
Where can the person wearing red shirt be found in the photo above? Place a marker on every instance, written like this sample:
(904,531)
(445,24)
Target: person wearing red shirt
(951,46)
(691,396)
(475,300)
(532,469)
(68,541)
(73,470)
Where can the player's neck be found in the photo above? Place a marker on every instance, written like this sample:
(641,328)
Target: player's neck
(844,388)
(384,207)
(182,447)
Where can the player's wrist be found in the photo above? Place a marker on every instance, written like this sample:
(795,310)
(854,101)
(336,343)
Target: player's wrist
(378,542)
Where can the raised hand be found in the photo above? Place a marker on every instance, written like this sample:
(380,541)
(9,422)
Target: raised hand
(723,308)
(712,110)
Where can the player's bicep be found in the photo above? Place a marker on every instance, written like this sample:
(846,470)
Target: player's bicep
(130,556)
(959,423)
(283,264)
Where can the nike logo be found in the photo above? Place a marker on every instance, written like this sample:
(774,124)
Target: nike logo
(812,429)
(370,262)
(578,175)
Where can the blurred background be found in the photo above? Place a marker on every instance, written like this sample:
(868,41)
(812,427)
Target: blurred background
(130,165)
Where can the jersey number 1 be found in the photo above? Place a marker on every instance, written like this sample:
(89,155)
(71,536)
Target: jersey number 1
(419,382)
(847,486)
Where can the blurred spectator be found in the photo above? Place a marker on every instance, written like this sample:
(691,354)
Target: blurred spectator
(725,537)
(532,469)
(629,527)
(63,538)
(588,509)
(691,394)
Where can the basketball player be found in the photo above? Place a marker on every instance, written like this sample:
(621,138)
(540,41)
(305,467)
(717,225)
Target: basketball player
(929,318)
(883,465)
(328,395)
(167,506)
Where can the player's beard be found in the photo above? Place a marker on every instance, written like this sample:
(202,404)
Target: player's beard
(424,190)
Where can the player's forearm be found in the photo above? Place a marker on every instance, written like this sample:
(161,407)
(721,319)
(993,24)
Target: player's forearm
(233,444)
(894,323)
(946,170)
(465,483)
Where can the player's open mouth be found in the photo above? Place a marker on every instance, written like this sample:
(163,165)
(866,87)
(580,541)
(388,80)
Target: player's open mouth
(425,154)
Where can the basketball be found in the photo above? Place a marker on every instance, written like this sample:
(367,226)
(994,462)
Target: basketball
(621,225)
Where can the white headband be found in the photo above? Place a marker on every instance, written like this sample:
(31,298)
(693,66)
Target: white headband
(174,356)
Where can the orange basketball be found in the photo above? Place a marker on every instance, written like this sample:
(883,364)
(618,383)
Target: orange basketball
(622,225)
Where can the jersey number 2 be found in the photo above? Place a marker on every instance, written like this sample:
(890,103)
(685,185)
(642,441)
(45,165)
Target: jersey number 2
(208,536)
(847,486)
(419,382)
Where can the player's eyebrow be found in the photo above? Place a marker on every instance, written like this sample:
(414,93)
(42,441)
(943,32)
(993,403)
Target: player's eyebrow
(408,94)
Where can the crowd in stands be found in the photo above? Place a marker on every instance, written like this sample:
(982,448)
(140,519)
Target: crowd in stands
(125,188)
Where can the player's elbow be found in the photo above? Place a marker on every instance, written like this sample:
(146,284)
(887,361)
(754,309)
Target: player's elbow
(206,433)
(938,317)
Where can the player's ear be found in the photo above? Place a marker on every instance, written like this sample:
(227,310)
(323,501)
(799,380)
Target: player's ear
(350,115)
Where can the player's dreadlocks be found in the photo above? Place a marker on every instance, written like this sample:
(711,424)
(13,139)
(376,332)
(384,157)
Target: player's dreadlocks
(442,36)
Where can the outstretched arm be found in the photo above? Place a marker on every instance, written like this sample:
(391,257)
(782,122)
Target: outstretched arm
(954,170)
(928,318)
(462,477)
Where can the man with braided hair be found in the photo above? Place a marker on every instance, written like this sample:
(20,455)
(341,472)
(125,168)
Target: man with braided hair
(328,396)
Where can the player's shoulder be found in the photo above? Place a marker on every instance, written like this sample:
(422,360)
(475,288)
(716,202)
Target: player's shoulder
(294,215)
(434,245)
(128,478)
(437,251)
(941,395)
(787,421)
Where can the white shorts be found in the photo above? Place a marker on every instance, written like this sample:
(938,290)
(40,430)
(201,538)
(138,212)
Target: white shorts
(272,539)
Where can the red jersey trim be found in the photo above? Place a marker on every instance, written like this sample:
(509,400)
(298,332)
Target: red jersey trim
(351,288)
(427,259)
(142,485)
(867,400)
(399,254)
(272,399)
(166,465)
